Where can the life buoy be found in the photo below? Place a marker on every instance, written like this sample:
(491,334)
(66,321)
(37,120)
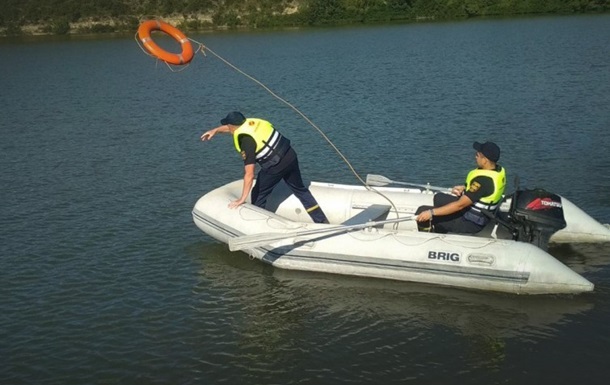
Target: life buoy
(173,58)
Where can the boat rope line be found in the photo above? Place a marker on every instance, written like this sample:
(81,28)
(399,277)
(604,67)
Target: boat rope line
(202,48)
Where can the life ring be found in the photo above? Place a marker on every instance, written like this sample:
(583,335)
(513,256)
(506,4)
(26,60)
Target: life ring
(173,58)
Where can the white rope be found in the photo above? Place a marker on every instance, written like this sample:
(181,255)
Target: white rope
(202,48)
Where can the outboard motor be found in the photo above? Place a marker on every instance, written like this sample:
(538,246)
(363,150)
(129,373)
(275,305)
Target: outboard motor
(535,216)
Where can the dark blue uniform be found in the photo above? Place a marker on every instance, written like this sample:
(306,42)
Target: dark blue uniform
(287,169)
(462,221)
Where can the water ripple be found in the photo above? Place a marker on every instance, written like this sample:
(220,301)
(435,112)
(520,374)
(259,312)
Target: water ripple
(105,279)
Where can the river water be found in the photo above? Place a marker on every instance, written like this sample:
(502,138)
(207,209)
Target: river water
(104,279)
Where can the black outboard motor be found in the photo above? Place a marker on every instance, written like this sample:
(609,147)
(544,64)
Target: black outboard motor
(535,216)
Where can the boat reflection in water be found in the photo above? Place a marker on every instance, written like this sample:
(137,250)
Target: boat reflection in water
(584,258)
(269,295)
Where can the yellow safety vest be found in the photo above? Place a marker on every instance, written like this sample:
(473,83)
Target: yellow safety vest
(270,144)
(489,202)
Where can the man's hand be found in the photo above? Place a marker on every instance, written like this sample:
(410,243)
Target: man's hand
(236,203)
(208,135)
(424,216)
(458,190)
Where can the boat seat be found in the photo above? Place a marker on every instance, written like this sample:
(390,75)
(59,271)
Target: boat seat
(372,213)
(498,220)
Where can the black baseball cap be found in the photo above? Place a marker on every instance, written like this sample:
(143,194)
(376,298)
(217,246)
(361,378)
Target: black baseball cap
(489,149)
(234,118)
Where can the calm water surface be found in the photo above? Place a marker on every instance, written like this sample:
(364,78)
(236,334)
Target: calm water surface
(104,279)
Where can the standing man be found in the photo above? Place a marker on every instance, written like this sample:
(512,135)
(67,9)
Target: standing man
(461,211)
(258,142)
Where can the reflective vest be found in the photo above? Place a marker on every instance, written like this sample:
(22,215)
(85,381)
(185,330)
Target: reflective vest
(489,202)
(271,146)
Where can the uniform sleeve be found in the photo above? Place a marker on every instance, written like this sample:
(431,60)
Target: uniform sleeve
(248,149)
(480,187)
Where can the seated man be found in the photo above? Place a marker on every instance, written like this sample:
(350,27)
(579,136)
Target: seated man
(461,212)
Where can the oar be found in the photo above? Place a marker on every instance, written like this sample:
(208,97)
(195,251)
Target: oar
(380,180)
(256,240)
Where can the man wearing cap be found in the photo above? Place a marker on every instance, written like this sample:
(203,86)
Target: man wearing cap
(258,142)
(461,211)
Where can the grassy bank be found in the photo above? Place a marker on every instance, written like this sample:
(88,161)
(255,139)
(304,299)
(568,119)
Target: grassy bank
(63,17)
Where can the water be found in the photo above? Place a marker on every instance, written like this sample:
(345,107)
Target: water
(105,279)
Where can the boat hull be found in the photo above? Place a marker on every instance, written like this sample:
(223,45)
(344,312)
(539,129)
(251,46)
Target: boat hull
(390,251)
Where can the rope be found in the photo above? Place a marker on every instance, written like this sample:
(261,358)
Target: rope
(203,48)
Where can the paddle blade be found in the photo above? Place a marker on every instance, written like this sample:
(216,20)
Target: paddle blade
(380,180)
(256,240)
(262,239)
(377,180)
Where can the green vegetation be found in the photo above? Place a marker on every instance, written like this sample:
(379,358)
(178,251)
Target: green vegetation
(98,16)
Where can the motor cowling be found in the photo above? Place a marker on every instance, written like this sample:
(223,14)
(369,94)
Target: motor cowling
(536,215)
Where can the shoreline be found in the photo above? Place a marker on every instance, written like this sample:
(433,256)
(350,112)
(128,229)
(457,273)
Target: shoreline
(115,28)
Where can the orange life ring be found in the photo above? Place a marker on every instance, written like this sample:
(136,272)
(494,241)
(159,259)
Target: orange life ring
(173,58)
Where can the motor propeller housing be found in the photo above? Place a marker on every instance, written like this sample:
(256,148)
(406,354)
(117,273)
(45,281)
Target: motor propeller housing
(535,216)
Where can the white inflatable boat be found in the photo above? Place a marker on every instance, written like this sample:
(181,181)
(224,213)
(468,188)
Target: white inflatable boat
(372,233)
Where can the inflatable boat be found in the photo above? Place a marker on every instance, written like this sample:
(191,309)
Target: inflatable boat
(372,233)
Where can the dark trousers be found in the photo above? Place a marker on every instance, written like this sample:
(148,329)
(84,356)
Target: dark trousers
(454,223)
(291,174)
